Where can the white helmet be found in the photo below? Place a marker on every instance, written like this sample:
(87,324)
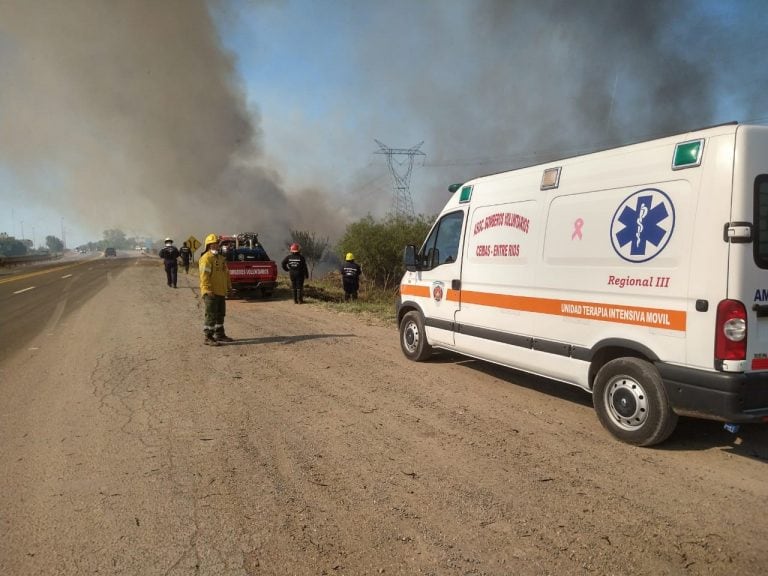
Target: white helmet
(168,241)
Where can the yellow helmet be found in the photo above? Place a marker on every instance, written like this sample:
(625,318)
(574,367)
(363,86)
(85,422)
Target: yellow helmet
(211,239)
(350,256)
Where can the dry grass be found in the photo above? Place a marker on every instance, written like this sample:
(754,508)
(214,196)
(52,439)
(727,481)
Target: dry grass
(327,291)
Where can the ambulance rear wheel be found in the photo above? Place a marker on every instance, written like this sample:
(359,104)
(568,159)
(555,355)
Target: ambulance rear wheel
(631,402)
(413,339)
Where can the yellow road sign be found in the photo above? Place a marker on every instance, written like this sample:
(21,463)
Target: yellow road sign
(193,243)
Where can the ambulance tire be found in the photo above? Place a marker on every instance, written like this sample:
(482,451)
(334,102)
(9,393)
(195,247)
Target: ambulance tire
(631,402)
(413,339)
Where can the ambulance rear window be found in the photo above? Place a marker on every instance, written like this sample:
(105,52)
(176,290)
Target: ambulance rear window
(761,221)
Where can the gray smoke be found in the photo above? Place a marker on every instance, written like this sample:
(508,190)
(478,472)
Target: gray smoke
(130,113)
(503,84)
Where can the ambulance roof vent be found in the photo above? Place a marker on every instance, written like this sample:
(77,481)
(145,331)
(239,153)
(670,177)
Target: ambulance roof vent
(551,178)
(688,154)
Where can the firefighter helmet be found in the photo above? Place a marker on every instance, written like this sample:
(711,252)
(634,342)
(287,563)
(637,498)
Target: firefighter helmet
(295,247)
(350,256)
(211,239)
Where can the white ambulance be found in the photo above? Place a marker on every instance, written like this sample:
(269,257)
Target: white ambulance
(639,274)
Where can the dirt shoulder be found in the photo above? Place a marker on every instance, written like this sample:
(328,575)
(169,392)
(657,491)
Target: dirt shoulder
(310,445)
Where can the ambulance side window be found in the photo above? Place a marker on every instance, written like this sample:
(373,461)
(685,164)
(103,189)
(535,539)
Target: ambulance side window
(442,245)
(761,221)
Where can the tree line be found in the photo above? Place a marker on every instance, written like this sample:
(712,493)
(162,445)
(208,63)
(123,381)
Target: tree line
(10,246)
(377,245)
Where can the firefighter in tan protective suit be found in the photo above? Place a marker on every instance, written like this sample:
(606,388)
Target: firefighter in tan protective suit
(214,286)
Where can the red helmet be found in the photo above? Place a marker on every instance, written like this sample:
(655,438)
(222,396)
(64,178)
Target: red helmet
(295,247)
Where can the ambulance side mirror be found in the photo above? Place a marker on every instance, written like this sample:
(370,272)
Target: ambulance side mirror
(409,258)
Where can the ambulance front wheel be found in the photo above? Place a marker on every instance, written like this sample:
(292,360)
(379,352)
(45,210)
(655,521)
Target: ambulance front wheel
(631,402)
(413,339)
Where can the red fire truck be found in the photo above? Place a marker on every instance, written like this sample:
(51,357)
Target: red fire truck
(250,268)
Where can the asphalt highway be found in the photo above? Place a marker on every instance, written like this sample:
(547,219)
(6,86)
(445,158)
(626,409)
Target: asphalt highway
(35,299)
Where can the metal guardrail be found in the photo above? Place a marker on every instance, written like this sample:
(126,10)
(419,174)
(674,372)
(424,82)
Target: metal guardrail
(27,259)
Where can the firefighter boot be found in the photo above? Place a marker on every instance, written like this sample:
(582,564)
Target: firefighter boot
(209,339)
(295,296)
(301,295)
(220,336)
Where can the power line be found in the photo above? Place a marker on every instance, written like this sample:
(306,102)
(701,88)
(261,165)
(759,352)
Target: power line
(403,203)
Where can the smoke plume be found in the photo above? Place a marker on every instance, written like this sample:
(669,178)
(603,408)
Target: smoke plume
(130,114)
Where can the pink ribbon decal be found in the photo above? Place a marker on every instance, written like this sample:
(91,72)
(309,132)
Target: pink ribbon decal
(577,226)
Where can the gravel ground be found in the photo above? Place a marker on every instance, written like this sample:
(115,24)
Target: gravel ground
(310,445)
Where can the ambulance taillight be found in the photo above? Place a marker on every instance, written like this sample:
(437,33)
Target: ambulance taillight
(731,331)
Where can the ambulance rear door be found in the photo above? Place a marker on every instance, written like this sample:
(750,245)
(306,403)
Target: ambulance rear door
(747,236)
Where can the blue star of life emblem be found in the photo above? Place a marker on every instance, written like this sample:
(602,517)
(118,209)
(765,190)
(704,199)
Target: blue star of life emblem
(642,225)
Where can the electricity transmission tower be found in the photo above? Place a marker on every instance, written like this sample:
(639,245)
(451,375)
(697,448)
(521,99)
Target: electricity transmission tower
(400,161)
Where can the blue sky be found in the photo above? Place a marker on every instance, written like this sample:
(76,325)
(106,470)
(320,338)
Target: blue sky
(181,116)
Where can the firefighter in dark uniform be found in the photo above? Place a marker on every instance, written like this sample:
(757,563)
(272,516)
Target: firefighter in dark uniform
(186,254)
(296,266)
(350,277)
(170,255)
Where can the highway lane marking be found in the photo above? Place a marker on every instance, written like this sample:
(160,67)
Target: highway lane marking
(24,290)
(14,278)
(67,276)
